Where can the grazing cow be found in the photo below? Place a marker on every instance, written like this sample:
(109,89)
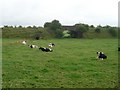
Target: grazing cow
(118,48)
(51,44)
(44,49)
(101,55)
(33,46)
(24,42)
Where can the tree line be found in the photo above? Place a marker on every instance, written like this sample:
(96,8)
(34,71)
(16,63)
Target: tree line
(55,29)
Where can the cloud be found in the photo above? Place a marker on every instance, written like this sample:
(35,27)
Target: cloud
(37,12)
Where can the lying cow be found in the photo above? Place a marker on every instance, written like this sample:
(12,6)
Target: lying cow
(24,42)
(101,55)
(33,46)
(51,44)
(44,49)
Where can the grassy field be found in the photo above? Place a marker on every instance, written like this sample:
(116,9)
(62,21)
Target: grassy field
(72,64)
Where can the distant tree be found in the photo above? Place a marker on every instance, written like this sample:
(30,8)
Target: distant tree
(97,30)
(54,27)
(47,25)
(10,26)
(58,33)
(81,29)
(29,27)
(92,26)
(20,26)
(6,26)
(112,31)
(73,34)
(15,26)
(34,27)
(99,26)
(38,35)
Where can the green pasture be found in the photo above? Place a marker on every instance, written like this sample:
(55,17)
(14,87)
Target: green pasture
(72,64)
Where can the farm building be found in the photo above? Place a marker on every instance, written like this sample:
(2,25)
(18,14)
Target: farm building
(71,28)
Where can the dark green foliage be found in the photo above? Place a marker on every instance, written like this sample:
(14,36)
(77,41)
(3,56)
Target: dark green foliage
(92,26)
(24,32)
(82,27)
(29,27)
(97,30)
(55,28)
(55,25)
(73,34)
(79,30)
(45,34)
(112,31)
(37,36)
(58,33)
(47,25)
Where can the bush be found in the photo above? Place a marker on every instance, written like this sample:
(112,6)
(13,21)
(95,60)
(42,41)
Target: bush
(112,31)
(66,34)
(97,30)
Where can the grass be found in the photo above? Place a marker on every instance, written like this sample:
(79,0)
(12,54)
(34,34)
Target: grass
(72,64)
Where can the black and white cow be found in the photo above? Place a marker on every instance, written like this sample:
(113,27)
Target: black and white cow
(44,49)
(24,42)
(51,44)
(101,55)
(33,46)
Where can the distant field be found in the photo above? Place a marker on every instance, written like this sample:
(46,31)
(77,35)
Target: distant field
(72,64)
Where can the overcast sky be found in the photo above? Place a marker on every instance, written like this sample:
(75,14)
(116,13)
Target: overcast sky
(68,12)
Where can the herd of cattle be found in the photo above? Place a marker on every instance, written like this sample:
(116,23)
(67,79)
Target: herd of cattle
(44,49)
(100,55)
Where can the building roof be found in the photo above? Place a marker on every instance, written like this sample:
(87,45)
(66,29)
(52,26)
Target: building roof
(69,27)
